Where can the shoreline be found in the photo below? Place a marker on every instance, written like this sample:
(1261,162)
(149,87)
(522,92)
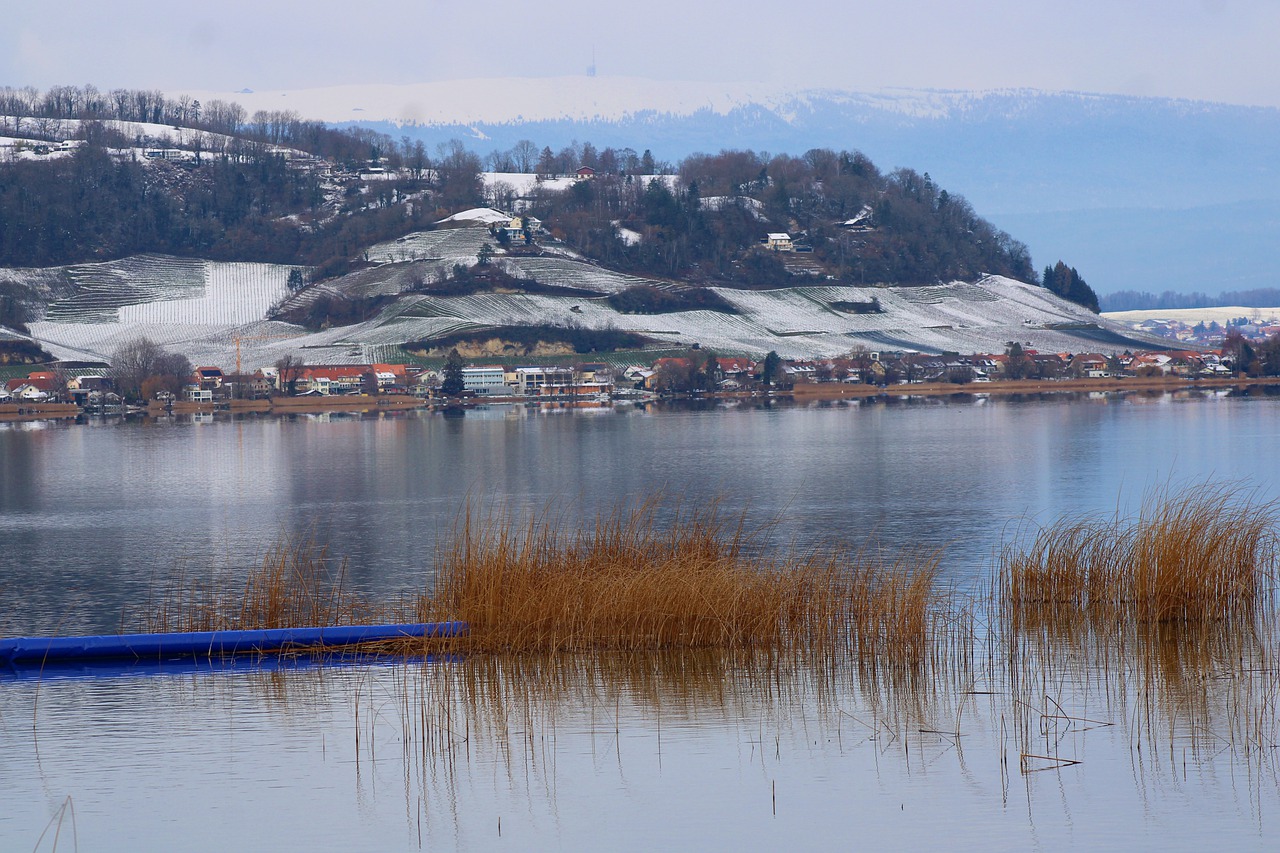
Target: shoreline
(804,392)
(839,390)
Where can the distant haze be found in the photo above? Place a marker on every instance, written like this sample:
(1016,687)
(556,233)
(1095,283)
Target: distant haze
(1219,50)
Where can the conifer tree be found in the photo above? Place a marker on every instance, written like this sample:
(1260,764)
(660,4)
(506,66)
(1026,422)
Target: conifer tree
(1064,281)
(452,385)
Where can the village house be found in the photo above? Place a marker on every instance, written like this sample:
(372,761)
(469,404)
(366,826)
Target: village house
(336,379)
(1150,364)
(543,381)
(247,386)
(390,377)
(735,367)
(522,228)
(638,376)
(1090,365)
(801,371)
(594,372)
(779,241)
(207,378)
(90,388)
(39,387)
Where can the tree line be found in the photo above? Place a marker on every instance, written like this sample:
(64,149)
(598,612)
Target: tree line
(91,206)
(1134,300)
(28,112)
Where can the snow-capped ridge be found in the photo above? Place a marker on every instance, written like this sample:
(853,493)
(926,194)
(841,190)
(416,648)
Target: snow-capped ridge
(475,103)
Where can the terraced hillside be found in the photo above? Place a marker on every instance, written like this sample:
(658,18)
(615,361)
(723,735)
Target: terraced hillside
(103,289)
(203,308)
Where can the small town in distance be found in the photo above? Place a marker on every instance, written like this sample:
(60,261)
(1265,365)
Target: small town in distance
(698,372)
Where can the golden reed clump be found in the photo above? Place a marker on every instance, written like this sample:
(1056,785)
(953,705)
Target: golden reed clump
(630,583)
(1199,553)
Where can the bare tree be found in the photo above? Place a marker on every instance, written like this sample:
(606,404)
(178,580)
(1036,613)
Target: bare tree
(524,155)
(290,370)
(142,359)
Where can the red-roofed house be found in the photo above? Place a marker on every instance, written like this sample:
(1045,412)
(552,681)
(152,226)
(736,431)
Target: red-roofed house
(207,378)
(337,379)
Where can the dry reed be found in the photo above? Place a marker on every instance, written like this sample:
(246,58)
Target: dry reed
(630,583)
(1200,553)
(294,587)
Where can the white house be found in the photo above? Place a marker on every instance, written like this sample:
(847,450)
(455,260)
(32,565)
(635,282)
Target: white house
(779,241)
(543,380)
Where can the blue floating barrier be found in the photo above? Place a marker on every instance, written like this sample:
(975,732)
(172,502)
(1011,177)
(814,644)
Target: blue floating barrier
(208,644)
(99,669)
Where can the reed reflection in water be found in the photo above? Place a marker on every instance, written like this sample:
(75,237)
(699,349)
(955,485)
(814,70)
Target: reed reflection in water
(1173,729)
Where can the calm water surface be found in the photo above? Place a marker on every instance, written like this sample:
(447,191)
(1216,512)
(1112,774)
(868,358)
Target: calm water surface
(92,516)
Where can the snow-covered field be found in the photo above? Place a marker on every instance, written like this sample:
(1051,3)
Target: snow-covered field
(1192,316)
(202,308)
(448,245)
(198,307)
(523,184)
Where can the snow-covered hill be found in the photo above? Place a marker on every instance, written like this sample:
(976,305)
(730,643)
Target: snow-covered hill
(203,309)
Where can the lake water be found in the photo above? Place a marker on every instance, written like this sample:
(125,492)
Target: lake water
(94,516)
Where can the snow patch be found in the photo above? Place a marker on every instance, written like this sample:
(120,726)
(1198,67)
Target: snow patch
(485,215)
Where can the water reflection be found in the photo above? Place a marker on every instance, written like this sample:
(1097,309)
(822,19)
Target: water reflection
(1049,735)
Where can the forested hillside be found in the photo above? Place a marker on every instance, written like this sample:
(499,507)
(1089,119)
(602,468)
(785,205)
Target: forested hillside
(862,226)
(93,206)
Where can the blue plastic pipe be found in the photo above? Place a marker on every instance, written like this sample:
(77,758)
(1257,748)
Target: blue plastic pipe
(206,644)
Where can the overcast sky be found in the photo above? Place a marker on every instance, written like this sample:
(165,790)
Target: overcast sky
(1218,50)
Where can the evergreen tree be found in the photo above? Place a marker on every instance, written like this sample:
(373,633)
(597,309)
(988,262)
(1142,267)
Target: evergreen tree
(452,385)
(1017,365)
(771,369)
(1064,281)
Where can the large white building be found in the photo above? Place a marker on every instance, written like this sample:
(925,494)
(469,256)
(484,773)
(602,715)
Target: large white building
(484,381)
